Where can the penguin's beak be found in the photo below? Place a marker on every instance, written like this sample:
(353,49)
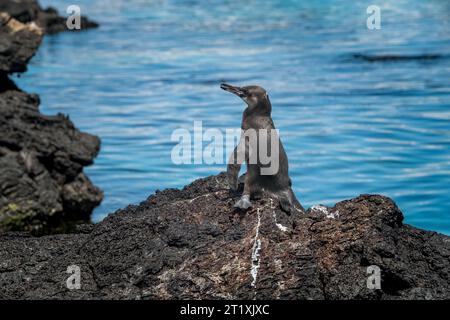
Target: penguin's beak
(240,92)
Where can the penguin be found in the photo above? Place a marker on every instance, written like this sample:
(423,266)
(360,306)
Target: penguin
(262,178)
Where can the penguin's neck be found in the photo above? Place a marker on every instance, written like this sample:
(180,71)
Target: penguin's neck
(252,118)
(263,109)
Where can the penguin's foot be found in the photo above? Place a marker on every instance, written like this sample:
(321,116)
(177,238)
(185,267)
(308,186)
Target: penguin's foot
(244,202)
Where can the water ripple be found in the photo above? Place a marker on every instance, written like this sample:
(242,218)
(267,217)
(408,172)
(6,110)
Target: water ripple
(359,111)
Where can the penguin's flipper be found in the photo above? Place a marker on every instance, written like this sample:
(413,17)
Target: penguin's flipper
(234,166)
(232,178)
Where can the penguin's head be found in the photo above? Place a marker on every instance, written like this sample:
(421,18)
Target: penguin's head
(255,97)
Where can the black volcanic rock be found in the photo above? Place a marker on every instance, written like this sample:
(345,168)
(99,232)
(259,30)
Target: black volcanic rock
(396,57)
(42,185)
(18,43)
(191,243)
(29,10)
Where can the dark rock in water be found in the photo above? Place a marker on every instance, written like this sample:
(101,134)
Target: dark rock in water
(42,185)
(21,10)
(49,19)
(191,243)
(396,58)
(18,43)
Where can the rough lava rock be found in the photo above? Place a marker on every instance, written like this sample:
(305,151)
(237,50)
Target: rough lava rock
(192,243)
(29,10)
(42,184)
(18,43)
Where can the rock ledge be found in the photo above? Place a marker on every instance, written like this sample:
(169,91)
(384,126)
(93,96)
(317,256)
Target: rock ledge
(191,243)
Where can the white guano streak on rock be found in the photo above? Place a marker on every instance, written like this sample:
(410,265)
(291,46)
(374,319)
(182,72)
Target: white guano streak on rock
(201,196)
(256,251)
(274,215)
(324,210)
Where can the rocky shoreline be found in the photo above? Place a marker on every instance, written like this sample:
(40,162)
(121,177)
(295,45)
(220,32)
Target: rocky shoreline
(42,185)
(192,244)
(48,19)
(179,244)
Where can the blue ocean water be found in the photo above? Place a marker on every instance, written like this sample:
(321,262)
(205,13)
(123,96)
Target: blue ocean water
(349,126)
